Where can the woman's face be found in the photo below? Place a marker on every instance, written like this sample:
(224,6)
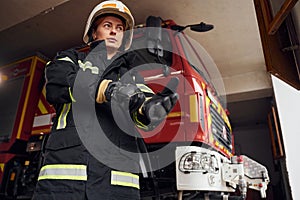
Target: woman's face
(110,29)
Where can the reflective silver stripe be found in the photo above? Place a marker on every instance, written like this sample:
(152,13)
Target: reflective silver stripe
(124,179)
(66,59)
(62,120)
(144,88)
(143,166)
(63,171)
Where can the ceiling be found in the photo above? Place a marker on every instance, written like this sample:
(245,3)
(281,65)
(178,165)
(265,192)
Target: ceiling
(28,27)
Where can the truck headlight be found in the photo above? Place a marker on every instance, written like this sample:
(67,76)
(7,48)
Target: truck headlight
(198,162)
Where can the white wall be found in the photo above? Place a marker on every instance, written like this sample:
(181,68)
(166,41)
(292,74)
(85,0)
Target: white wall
(296,17)
(288,104)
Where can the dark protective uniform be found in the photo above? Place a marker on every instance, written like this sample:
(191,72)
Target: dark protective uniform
(69,170)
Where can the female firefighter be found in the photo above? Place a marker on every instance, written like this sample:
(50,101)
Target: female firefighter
(70,170)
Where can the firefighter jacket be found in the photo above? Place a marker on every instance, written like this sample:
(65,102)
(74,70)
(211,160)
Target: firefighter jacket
(93,68)
(72,79)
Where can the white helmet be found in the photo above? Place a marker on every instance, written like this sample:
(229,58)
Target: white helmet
(111,7)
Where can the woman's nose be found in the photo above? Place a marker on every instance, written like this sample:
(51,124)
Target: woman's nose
(113,31)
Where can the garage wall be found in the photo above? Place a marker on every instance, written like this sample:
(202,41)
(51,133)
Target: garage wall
(255,143)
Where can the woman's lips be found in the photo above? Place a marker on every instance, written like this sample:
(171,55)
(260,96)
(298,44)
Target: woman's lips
(112,40)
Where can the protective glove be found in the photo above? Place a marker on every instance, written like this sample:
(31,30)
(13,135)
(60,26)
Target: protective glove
(129,96)
(160,105)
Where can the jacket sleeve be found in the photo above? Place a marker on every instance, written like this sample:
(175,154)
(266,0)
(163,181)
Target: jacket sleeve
(60,76)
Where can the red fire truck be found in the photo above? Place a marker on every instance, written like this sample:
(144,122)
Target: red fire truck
(189,156)
(24,121)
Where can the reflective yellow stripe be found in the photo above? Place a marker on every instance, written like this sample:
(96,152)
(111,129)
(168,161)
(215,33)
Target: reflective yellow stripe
(125,179)
(64,166)
(71,96)
(63,171)
(144,88)
(194,108)
(175,114)
(42,107)
(2,167)
(62,120)
(118,5)
(66,59)
(138,123)
(28,92)
(109,5)
(62,177)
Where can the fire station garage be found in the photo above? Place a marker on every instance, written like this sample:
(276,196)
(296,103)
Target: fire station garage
(234,131)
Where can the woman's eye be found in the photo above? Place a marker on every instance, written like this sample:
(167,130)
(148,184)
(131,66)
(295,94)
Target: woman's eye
(107,25)
(120,28)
